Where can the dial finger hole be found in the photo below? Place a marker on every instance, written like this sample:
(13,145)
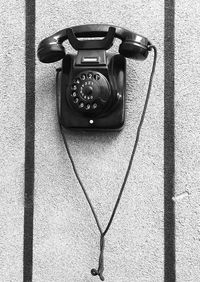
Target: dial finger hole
(76,81)
(87,107)
(81,105)
(83,76)
(74,87)
(74,94)
(90,75)
(97,76)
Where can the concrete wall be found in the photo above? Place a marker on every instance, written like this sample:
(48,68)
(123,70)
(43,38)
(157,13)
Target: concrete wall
(66,239)
(187,103)
(12,88)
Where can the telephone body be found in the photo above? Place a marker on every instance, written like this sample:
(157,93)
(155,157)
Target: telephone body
(92,82)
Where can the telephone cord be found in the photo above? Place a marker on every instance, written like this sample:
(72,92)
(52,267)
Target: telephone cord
(100,269)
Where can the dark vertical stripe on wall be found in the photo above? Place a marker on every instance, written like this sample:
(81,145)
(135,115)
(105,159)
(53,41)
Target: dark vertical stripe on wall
(29,140)
(169,158)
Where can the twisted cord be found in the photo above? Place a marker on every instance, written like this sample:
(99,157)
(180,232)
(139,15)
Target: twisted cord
(100,270)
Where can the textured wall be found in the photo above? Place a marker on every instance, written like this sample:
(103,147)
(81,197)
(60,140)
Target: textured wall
(66,239)
(12,88)
(187,152)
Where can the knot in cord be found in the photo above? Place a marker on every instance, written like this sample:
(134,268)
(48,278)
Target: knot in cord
(100,270)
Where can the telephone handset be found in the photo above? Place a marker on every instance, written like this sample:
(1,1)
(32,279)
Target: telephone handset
(92,82)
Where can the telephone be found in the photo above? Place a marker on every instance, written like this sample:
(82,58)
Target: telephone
(92,83)
(91,90)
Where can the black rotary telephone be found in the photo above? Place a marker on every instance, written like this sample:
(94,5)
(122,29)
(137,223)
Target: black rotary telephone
(91,89)
(92,82)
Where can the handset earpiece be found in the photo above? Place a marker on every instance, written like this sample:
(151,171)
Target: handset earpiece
(136,47)
(51,49)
